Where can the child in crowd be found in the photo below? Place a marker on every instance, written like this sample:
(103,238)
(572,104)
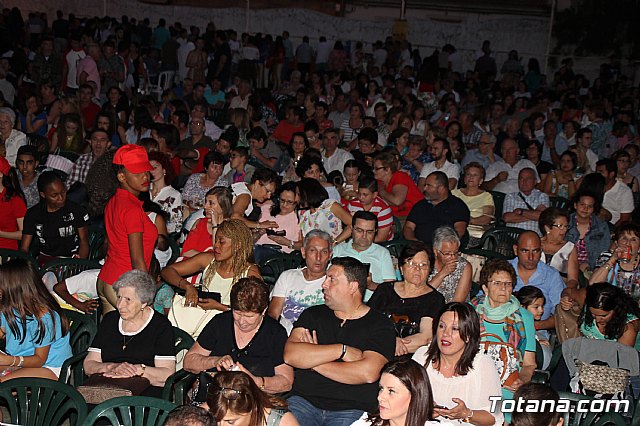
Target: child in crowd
(532,299)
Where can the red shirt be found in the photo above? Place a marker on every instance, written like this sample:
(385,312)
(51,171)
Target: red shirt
(12,210)
(380,208)
(413,194)
(89,114)
(284,130)
(199,238)
(123,216)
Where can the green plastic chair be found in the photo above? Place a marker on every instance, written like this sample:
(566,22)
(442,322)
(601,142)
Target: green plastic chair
(82,331)
(497,242)
(97,238)
(130,411)
(7,254)
(498,202)
(560,202)
(575,418)
(273,267)
(176,386)
(395,247)
(65,268)
(42,402)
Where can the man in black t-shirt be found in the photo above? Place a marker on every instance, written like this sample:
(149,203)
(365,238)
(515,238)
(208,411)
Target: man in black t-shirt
(337,350)
(439,208)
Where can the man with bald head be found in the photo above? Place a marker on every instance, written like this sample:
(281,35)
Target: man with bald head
(531,271)
(522,209)
(502,175)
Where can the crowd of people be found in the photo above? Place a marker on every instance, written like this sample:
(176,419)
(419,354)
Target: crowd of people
(255,150)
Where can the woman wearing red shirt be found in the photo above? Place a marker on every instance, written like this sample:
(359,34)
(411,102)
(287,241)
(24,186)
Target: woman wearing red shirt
(130,233)
(12,207)
(395,186)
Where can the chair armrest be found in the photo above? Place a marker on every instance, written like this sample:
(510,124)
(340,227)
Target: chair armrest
(176,386)
(72,369)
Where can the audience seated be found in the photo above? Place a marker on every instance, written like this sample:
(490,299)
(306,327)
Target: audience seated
(451,273)
(522,208)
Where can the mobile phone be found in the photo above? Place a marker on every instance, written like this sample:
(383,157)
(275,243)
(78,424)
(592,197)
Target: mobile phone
(280,233)
(202,294)
(447,116)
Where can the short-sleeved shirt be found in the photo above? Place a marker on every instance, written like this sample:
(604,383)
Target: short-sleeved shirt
(511,184)
(546,279)
(448,168)
(618,200)
(518,200)
(298,295)
(476,205)
(428,217)
(155,341)
(199,238)
(413,193)
(372,332)
(123,216)
(12,210)
(378,258)
(60,349)
(260,356)
(380,208)
(386,300)
(56,233)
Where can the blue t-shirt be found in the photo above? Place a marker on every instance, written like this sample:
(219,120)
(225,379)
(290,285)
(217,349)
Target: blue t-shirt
(59,351)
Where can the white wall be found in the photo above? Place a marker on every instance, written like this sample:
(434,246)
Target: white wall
(427,29)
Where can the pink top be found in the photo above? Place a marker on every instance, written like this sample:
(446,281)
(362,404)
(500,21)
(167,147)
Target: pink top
(289,223)
(89,66)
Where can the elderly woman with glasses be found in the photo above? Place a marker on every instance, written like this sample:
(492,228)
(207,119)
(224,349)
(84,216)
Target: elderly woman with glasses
(412,302)
(244,339)
(556,252)
(451,273)
(235,399)
(506,324)
(198,184)
(134,340)
(11,138)
(620,265)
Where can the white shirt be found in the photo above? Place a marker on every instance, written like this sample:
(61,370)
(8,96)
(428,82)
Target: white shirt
(511,184)
(336,161)
(72,59)
(298,294)
(15,140)
(8,91)
(475,388)
(183,52)
(448,168)
(618,200)
(322,52)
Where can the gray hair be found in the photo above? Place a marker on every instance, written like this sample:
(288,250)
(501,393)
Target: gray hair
(141,282)
(11,113)
(492,137)
(317,233)
(445,234)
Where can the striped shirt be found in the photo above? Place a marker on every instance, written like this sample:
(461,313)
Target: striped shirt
(380,208)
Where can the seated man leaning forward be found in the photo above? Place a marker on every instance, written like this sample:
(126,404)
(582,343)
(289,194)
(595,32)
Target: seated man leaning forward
(337,350)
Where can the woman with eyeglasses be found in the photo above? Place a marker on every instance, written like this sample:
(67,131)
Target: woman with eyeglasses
(623,160)
(462,378)
(235,399)
(410,303)
(506,325)
(620,265)
(244,339)
(288,236)
(451,273)
(556,252)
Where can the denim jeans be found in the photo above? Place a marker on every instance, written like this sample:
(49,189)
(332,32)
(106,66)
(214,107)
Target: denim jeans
(308,415)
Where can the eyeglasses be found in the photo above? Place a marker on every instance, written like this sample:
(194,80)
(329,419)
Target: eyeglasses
(449,254)
(628,241)
(269,191)
(422,265)
(197,123)
(290,202)
(378,168)
(364,231)
(560,226)
(227,393)
(505,284)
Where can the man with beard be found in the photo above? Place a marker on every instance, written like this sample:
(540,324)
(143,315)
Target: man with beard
(441,154)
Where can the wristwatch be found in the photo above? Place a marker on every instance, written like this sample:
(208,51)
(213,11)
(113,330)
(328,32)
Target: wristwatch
(144,367)
(291,244)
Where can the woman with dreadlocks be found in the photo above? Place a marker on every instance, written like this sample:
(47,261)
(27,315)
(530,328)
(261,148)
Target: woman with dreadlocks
(221,269)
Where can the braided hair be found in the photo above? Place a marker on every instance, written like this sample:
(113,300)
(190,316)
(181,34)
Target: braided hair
(242,246)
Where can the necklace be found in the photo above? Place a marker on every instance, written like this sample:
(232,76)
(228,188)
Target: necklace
(125,342)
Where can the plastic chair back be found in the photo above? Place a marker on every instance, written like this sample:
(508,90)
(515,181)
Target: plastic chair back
(130,411)
(41,402)
(7,254)
(65,268)
(274,266)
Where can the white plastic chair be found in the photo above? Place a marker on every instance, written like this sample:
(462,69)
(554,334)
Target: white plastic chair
(165,80)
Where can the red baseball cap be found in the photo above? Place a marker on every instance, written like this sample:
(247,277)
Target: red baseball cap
(134,158)
(4,166)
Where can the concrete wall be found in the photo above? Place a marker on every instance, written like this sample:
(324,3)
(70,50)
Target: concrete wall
(427,29)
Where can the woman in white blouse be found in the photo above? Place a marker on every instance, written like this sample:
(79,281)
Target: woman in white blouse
(162,192)
(462,379)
